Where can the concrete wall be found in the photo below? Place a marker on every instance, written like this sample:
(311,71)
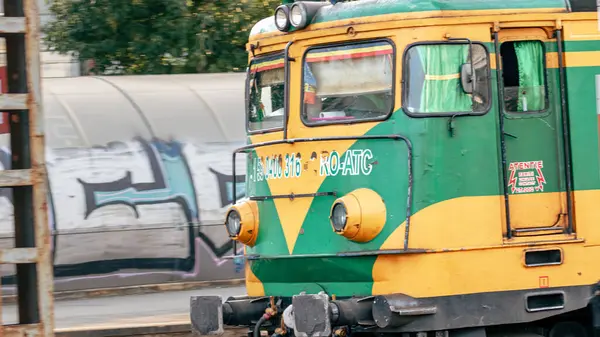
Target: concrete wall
(139,172)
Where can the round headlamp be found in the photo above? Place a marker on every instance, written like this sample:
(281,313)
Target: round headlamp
(302,12)
(339,217)
(282,18)
(233,223)
(298,15)
(359,215)
(241,222)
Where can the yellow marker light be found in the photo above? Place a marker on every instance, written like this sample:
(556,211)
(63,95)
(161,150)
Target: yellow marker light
(242,222)
(359,215)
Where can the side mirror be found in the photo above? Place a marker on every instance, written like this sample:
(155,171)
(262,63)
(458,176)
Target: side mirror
(467,78)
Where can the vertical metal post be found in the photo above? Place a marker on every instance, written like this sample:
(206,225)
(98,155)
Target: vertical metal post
(564,109)
(286,92)
(19,143)
(27,176)
(500,87)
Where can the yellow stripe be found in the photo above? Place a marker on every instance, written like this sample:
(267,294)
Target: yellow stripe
(442,77)
(582,59)
(254,286)
(349,51)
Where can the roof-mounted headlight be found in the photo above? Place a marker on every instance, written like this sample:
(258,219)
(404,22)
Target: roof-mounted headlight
(241,222)
(282,18)
(301,13)
(298,15)
(359,215)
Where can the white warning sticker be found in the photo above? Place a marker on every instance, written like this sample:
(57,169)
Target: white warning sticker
(526,177)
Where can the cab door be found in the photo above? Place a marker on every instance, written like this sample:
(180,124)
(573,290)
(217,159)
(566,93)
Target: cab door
(532,138)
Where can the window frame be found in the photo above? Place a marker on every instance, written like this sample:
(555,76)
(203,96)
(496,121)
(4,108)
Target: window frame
(405,82)
(531,113)
(247,94)
(349,43)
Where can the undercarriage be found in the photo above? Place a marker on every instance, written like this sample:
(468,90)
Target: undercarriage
(553,312)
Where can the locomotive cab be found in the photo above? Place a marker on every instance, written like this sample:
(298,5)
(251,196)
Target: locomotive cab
(416,167)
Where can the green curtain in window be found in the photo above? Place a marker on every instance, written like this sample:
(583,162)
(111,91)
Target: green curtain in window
(531,74)
(442,90)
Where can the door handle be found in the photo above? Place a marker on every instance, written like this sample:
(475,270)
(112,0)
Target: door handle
(510,135)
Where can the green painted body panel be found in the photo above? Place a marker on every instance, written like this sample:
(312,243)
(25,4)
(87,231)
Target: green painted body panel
(584,122)
(578,46)
(446,165)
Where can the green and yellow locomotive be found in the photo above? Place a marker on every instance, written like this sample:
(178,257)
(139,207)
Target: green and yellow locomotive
(427,167)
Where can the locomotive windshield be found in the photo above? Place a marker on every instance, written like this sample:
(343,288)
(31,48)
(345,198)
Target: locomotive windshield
(433,79)
(348,83)
(266,93)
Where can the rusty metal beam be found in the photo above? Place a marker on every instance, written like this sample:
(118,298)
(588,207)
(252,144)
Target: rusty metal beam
(18,255)
(10,178)
(20,139)
(45,266)
(13,101)
(12,25)
(22,330)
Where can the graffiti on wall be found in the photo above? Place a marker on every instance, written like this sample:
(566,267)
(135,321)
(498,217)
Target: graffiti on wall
(144,205)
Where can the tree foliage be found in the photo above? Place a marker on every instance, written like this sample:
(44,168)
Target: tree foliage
(156,36)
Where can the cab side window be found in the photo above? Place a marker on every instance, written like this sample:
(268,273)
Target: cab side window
(266,88)
(523,69)
(433,82)
(348,83)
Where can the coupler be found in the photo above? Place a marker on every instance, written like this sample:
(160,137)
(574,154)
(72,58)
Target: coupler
(308,315)
(318,316)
